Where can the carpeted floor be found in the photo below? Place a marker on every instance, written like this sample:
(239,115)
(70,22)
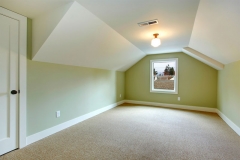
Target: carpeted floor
(134,132)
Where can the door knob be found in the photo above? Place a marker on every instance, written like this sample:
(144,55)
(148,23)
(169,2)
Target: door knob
(14,92)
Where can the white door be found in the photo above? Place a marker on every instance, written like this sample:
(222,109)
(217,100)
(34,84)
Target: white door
(8,84)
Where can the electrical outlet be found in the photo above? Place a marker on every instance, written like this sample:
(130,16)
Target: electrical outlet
(120,95)
(57,114)
(179,98)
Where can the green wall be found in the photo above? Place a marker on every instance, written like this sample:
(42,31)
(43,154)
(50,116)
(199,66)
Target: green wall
(73,90)
(197,82)
(229,91)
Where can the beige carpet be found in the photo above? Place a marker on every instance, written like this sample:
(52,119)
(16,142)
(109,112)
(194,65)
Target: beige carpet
(131,132)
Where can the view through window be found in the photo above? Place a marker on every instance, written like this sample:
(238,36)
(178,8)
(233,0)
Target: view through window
(164,75)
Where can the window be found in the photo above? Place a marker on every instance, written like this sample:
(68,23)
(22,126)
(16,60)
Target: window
(164,76)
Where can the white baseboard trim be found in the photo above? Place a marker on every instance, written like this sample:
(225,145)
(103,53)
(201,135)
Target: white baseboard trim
(40,135)
(229,122)
(177,106)
(45,133)
(195,108)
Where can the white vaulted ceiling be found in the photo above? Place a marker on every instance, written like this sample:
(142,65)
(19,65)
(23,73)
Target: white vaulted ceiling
(33,8)
(176,19)
(82,39)
(216,30)
(104,34)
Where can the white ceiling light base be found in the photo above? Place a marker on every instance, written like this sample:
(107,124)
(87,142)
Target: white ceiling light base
(203,58)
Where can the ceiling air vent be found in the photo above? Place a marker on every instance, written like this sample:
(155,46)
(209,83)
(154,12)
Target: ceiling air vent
(147,23)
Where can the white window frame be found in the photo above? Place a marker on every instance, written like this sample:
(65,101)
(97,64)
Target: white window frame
(175,91)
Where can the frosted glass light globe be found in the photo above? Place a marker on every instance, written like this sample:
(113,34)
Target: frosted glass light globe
(156,42)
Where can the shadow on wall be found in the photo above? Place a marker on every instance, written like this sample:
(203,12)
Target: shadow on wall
(120,86)
(29,39)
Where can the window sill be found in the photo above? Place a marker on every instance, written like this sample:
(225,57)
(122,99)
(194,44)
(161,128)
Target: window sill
(164,91)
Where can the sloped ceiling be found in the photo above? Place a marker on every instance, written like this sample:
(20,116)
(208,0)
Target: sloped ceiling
(33,8)
(104,34)
(216,30)
(176,19)
(82,39)
(44,25)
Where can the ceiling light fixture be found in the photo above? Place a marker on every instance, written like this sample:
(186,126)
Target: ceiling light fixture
(156,41)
